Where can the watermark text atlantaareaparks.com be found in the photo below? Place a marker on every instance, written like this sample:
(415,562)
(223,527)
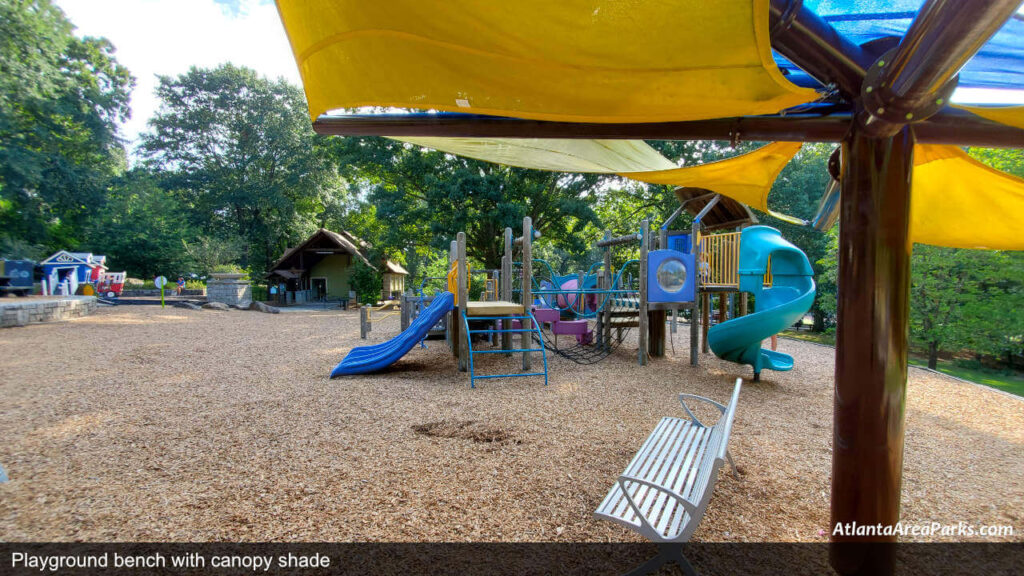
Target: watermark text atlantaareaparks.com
(923,529)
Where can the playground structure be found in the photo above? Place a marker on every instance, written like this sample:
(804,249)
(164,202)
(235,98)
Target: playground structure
(500,319)
(69,273)
(597,308)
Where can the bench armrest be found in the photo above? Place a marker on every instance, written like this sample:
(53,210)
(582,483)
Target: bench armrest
(684,397)
(686,504)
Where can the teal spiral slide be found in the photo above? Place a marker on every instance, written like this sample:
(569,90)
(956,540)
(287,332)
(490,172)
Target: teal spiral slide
(775,308)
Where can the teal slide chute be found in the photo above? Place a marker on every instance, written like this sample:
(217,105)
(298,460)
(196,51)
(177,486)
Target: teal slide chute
(775,308)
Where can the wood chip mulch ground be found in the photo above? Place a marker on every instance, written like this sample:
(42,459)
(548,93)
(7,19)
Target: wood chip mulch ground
(146,424)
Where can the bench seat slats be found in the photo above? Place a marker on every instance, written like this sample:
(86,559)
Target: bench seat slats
(651,462)
(680,456)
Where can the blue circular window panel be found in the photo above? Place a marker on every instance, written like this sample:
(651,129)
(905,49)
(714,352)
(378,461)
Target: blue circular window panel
(671,275)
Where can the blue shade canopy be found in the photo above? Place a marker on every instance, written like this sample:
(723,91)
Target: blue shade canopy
(998,65)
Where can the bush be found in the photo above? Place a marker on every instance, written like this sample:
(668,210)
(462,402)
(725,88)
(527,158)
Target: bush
(229,269)
(367,284)
(260,293)
(969,363)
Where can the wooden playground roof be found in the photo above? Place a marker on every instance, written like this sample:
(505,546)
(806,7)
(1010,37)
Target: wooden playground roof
(322,242)
(394,268)
(727,213)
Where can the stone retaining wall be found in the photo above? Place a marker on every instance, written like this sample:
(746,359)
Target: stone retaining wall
(170,291)
(15,313)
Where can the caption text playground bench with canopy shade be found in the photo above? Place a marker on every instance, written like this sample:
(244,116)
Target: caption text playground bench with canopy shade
(876,78)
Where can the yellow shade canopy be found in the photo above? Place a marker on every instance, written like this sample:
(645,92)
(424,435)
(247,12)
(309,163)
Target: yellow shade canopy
(747,177)
(570,60)
(1009,115)
(959,202)
(554,154)
(956,201)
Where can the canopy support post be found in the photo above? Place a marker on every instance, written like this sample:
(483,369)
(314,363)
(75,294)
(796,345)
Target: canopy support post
(871,347)
(915,80)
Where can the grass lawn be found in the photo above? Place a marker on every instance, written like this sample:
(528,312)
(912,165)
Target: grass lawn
(1012,383)
(808,336)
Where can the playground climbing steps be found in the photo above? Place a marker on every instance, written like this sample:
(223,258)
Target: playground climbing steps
(501,325)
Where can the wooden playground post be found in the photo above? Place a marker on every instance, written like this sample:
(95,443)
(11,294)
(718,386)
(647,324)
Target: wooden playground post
(643,336)
(695,312)
(364,322)
(723,306)
(656,322)
(705,320)
(405,305)
(743,304)
(463,281)
(452,336)
(506,287)
(610,297)
(526,340)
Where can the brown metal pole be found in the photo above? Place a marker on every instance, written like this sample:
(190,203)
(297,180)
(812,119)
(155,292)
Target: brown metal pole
(871,346)
(915,80)
(947,127)
(811,43)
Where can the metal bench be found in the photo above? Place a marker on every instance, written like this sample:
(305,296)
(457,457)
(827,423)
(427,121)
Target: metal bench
(664,491)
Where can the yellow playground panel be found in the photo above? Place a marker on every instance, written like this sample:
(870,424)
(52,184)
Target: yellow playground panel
(720,260)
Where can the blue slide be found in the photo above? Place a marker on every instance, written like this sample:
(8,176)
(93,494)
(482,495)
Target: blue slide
(379,356)
(776,308)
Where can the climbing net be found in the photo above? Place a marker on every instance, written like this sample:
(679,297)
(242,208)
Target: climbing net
(583,353)
(577,297)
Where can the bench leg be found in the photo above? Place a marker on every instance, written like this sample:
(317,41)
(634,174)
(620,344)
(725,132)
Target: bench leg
(732,465)
(666,553)
(649,567)
(674,552)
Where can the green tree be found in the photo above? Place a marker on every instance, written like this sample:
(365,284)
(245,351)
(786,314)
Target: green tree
(797,192)
(141,227)
(425,197)
(206,254)
(239,152)
(941,280)
(994,320)
(61,101)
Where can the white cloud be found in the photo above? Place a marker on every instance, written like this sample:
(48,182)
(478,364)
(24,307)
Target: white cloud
(166,37)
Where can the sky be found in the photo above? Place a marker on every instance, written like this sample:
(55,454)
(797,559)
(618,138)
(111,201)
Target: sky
(167,37)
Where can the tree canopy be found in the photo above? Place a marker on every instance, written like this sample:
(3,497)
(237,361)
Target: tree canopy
(239,154)
(62,99)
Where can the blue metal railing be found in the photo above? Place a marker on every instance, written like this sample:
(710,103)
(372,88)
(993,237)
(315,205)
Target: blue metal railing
(505,329)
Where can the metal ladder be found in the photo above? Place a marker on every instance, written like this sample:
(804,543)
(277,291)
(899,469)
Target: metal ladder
(534,327)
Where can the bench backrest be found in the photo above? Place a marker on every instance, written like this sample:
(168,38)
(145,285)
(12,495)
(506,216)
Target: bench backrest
(725,422)
(715,452)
